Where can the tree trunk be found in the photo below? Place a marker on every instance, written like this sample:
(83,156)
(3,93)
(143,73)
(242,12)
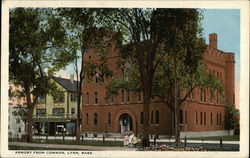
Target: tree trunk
(145,139)
(177,134)
(78,122)
(79,90)
(176,105)
(30,107)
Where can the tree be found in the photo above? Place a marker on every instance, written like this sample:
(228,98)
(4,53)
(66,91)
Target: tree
(84,33)
(182,70)
(164,49)
(36,47)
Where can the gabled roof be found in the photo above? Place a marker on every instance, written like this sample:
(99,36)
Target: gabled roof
(66,83)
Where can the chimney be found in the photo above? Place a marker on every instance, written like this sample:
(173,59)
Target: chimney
(71,78)
(213,40)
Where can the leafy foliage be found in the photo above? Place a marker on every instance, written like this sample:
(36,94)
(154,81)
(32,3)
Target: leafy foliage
(230,120)
(36,47)
(21,112)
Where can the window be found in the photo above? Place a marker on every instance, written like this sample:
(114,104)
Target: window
(220,119)
(122,96)
(211,96)
(152,117)
(73,110)
(234,99)
(112,99)
(73,97)
(96,98)
(156,117)
(141,118)
(211,115)
(109,118)
(87,98)
(185,116)
(19,130)
(217,95)
(181,117)
(88,80)
(58,111)
(59,98)
(205,95)
(95,118)
(128,96)
(201,119)
(205,119)
(17,121)
(201,95)
(138,96)
(196,117)
(106,98)
(123,74)
(40,111)
(41,99)
(217,118)
(96,79)
(87,119)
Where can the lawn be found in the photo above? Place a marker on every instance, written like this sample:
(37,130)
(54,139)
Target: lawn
(85,142)
(224,138)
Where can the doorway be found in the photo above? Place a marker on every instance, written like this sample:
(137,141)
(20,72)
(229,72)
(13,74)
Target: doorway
(125,123)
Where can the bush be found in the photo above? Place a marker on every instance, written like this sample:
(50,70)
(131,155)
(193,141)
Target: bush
(237,129)
(230,121)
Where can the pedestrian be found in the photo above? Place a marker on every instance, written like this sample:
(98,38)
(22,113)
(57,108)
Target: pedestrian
(131,139)
(126,140)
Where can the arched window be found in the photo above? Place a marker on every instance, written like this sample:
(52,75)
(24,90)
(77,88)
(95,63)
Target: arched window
(87,98)
(109,118)
(152,117)
(96,79)
(95,98)
(196,117)
(205,95)
(205,118)
(185,116)
(112,99)
(106,98)
(122,96)
(217,119)
(139,96)
(128,96)
(87,119)
(201,95)
(123,74)
(217,97)
(156,117)
(95,118)
(141,118)
(211,118)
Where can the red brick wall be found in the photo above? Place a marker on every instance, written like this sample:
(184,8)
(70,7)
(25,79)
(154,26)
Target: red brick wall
(217,62)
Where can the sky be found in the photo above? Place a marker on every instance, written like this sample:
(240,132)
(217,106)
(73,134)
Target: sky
(226,24)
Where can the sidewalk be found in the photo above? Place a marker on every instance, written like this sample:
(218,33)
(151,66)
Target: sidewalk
(80,147)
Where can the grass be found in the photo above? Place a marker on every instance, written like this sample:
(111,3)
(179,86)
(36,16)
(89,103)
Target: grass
(85,142)
(13,147)
(224,138)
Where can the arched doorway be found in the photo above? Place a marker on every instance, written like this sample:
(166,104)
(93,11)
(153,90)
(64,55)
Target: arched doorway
(125,123)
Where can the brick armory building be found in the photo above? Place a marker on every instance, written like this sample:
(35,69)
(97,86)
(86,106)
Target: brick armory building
(201,114)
